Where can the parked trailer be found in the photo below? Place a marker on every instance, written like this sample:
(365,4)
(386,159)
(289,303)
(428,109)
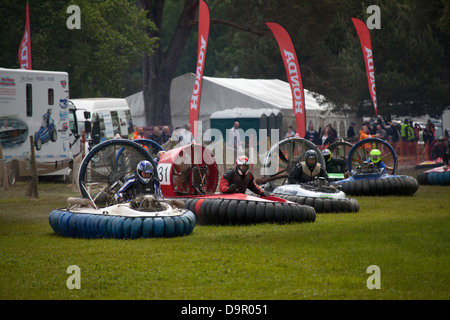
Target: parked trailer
(35,103)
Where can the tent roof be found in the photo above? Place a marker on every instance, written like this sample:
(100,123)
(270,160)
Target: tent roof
(223,94)
(272,91)
(244,113)
(229,93)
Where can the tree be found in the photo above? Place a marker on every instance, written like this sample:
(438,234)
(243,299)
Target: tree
(158,68)
(96,56)
(411,51)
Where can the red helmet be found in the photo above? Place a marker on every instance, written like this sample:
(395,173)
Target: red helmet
(242,165)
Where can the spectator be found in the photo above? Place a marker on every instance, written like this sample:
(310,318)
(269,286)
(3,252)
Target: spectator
(185,136)
(335,134)
(139,133)
(328,137)
(411,133)
(165,134)
(351,131)
(374,130)
(371,129)
(158,156)
(234,138)
(312,135)
(381,133)
(404,132)
(389,131)
(433,129)
(428,135)
(156,136)
(95,133)
(417,130)
(290,133)
(364,133)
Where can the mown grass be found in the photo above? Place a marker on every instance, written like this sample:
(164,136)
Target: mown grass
(407,237)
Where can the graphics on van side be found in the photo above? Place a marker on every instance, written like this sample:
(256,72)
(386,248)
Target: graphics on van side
(13,132)
(47,132)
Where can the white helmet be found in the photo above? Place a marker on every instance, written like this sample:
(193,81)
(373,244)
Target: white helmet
(242,165)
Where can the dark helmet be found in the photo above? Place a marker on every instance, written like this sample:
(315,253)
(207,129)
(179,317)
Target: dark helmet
(242,165)
(144,171)
(311,159)
(326,155)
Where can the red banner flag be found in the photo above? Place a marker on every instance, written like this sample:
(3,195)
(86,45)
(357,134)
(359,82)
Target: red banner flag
(25,46)
(293,74)
(203,32)
(366,46)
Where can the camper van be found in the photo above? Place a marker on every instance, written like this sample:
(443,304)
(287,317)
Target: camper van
(109,117)
(35,104)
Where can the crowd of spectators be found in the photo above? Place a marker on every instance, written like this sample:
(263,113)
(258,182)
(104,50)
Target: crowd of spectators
(328,136)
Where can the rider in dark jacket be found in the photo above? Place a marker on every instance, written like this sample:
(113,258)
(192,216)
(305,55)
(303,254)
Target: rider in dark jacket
(334,165)
(142,183)
(307,170)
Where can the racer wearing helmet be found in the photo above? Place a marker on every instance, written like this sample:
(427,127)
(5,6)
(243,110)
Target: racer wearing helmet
(333,165)
(238,178)
(307,170)
(439,149)
(375,158)
(144,182)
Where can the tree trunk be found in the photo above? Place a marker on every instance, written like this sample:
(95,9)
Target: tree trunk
(159,69)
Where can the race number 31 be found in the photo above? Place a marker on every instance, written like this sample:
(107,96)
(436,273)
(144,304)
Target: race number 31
(164,173)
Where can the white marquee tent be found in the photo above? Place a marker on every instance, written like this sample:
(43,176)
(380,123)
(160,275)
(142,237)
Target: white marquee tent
(229,93)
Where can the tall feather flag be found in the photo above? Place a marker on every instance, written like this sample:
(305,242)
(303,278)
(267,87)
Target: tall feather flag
(25,46)
(366,46)
(293,74)
(203,32)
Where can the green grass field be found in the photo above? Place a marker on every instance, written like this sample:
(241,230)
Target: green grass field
(406,237)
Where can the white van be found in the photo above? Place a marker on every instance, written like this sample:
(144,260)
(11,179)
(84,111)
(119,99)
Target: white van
(108,117)
(35,103)
(446,120)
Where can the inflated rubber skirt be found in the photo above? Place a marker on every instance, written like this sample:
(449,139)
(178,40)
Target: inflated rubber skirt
(322,202)
(437,176)
(121,222)
(237,208)
(379,185)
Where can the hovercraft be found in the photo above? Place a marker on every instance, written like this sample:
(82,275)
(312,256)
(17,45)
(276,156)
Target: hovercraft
(366,179)
(144,217)
(435,176)
(190,174)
